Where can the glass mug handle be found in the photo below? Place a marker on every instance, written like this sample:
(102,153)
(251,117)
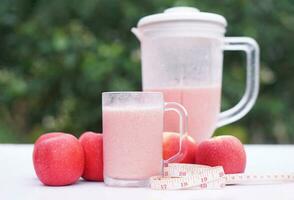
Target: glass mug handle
(183,122)
(251,48)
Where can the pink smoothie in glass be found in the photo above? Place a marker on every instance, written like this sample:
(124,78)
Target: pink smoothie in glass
(132,141)
(202,104)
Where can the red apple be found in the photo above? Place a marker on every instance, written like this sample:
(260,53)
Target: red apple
(92,144)
(58,159)
(226,151)
(171,147)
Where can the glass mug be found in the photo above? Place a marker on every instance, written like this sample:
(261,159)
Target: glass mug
(182,56)
(132,136)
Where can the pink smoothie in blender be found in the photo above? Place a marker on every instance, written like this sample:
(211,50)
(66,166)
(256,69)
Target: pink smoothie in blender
(202,104)
(182,57)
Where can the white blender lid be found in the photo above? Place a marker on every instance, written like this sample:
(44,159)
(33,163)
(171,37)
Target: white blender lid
(183,14)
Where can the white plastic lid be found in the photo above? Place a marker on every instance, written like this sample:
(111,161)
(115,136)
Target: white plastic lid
(183,14)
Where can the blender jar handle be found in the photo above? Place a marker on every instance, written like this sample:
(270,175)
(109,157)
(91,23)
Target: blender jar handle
(182,112)
(251,48)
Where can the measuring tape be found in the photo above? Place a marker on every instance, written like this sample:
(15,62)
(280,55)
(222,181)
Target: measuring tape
(184,176)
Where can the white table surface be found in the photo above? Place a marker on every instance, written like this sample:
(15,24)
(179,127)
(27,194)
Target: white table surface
(18,180)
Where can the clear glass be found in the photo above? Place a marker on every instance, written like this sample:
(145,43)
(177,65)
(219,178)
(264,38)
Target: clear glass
(132,136)
(184,61)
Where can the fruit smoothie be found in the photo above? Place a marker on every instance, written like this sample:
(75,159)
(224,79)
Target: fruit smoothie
(202,105)
(132,141)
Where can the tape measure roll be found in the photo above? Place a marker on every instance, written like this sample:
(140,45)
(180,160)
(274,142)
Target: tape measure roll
(191,176)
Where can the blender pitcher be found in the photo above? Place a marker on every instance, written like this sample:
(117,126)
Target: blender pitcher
(182,57)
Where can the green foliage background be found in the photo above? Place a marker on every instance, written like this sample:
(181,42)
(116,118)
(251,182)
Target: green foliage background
(56,57)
